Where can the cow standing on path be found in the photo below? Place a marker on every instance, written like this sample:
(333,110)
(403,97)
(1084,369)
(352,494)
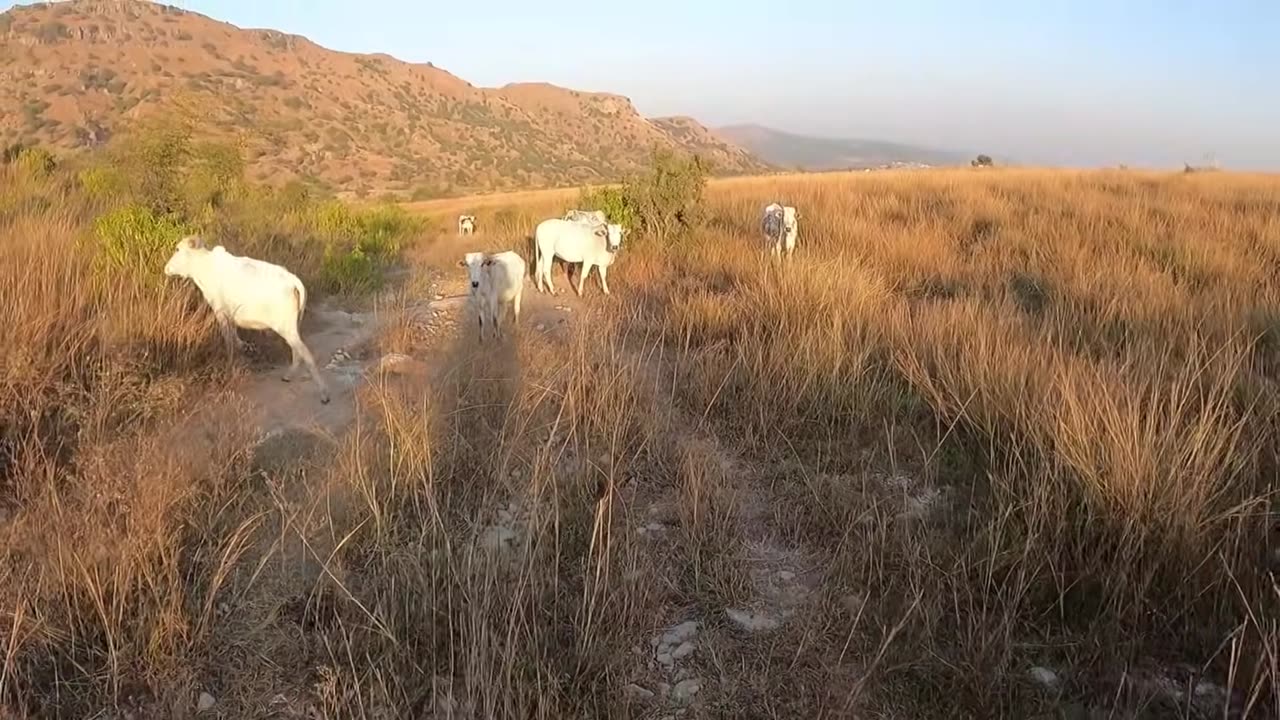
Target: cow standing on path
(592,245)
(497,285)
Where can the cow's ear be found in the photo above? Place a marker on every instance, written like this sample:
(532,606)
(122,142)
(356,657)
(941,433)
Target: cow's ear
(487,263)
(462,263)
(601,232)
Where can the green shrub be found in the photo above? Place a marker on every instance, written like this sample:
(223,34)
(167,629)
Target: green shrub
(153,158)
(383,230)
(358,244)
(667,200)
(333,223)
(663,202)
(35,162)
(350,272)
(136,240)
(101,182)
(214,176)
(614,201)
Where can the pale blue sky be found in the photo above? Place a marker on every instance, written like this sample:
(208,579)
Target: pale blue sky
(1150,82)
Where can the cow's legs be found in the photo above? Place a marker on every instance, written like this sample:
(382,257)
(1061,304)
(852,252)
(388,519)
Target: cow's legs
(299,348)
(548,262)
(230,340)
(604,279)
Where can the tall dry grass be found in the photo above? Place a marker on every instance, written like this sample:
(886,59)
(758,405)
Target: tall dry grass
(1087,356)
(1081,364)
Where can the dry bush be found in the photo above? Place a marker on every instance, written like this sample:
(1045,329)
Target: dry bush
(1085,356)
(120,515)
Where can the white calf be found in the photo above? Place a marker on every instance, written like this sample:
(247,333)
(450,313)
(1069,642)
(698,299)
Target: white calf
(591,245)
(497,281)
(247,293)
(466,224)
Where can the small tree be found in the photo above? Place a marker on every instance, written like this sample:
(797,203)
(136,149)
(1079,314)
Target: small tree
(663,202)
(982,161)
(668,198)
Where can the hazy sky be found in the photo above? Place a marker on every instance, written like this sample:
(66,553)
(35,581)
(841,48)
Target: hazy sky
(1072,82)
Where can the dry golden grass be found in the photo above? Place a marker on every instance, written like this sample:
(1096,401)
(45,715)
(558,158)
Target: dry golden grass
(984,421)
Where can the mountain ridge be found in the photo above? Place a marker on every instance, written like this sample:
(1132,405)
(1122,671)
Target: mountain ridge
(73,74)
(812,153)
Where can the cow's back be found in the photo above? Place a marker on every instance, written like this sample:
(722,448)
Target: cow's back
(507,270)
(249,287)
(568,240)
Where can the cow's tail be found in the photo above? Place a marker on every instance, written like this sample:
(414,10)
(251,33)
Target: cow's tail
(537,253)
(300,297)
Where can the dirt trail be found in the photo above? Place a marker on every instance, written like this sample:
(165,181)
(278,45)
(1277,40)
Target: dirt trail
(339,339)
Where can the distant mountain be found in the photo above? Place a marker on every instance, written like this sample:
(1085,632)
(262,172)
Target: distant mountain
(73,73)
(813,153)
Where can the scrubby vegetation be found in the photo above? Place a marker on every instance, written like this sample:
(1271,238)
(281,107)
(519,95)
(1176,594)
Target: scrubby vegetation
(995,444)
(663,202)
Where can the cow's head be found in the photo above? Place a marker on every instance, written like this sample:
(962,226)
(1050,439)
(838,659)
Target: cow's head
(184,255)
(474,262)
(613,236)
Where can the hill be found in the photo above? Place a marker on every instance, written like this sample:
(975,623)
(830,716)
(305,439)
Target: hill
(74,73)
(814,153)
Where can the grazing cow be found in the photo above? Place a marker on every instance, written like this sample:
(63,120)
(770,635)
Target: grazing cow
(497,281)
(774,228)
(780,226)
(247,293)
(466,224)
(592,217)
(591,245)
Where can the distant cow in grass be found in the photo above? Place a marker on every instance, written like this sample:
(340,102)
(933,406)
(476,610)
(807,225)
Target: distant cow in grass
(780,226)
(466,224)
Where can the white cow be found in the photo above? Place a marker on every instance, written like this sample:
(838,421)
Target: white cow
(780,226)
(247,293)
(773,226)
(591,245)
(791,221)
(466,224)
(590,217)
(497,281)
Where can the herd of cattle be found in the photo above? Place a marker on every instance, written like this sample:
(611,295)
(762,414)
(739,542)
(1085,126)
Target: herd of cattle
(253,294)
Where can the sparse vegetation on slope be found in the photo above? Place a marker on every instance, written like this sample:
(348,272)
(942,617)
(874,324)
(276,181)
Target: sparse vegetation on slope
(363,124)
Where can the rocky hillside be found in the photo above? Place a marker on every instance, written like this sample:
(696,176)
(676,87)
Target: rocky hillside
(74,73)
